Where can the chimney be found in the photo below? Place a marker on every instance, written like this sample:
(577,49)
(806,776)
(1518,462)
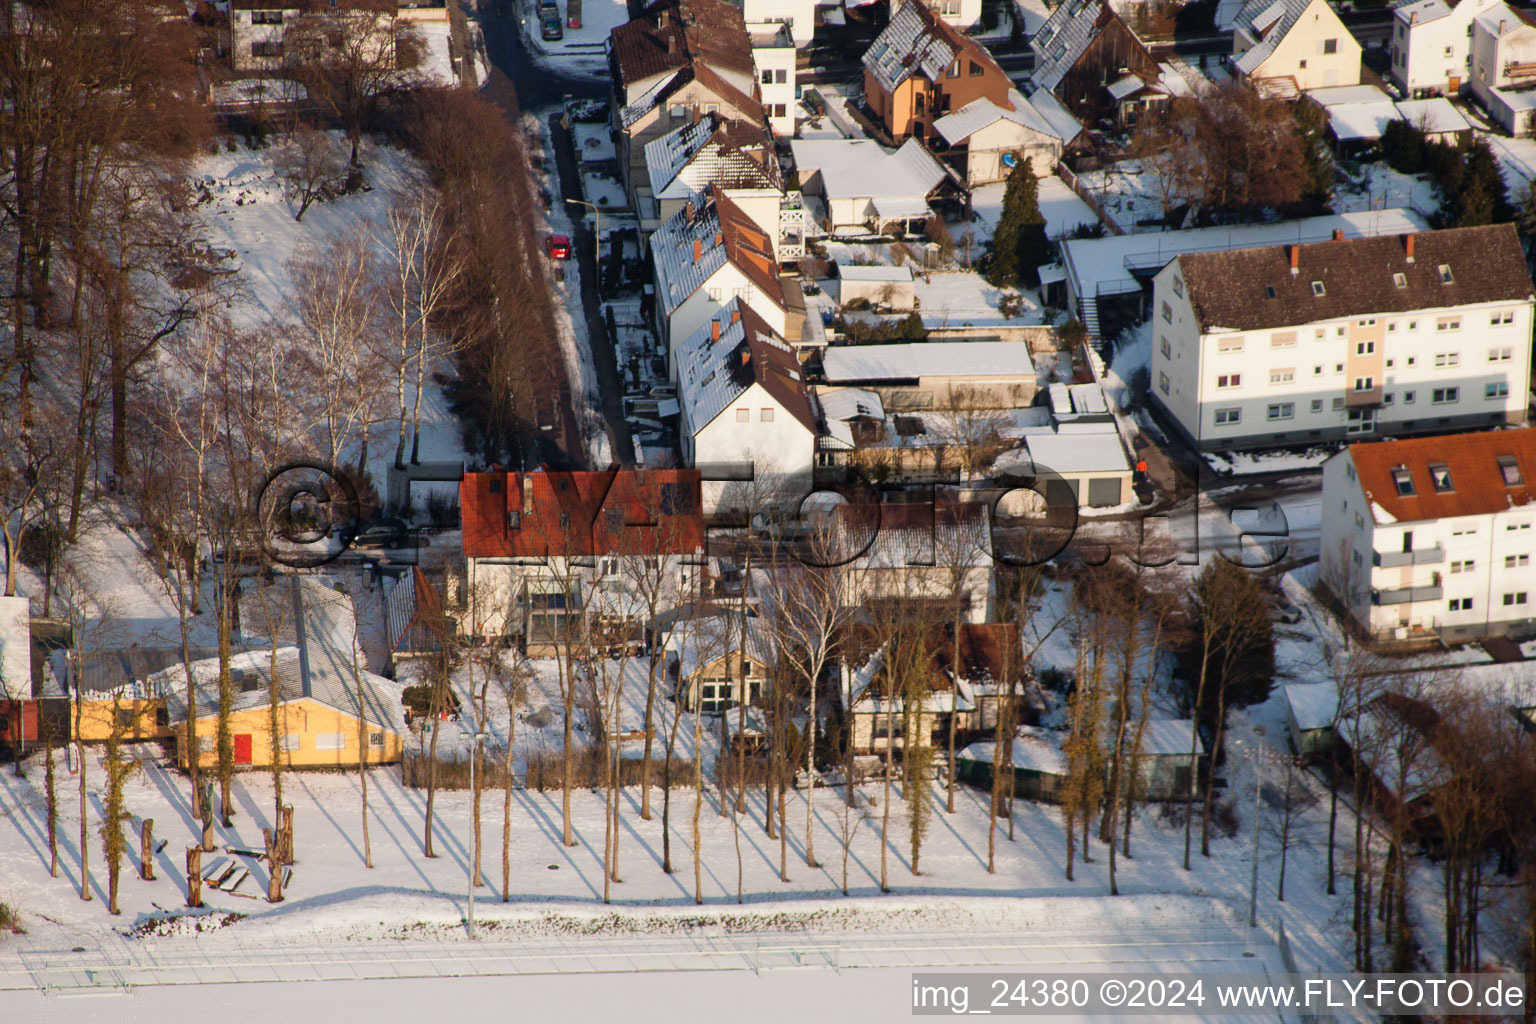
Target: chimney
(698,249)
(1338,234)
(1408,247)
(735,315)
(719,237)
(1295,257)
(688,212)
(671,43)
(698,115)
(714,330)
(746,356)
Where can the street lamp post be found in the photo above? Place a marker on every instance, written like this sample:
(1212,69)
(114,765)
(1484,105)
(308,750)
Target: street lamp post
(469,913)
(597,242)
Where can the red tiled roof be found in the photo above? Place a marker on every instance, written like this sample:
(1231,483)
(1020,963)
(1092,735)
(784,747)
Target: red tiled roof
(1477,481)
(613,512)
(747,245)
(673,33)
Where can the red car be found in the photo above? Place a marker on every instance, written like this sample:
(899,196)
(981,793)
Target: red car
(557,247)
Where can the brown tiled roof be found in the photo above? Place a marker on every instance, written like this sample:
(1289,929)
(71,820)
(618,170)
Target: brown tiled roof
(775,366)
(672,34)
(1229,289)
(1477,482)
(747,245)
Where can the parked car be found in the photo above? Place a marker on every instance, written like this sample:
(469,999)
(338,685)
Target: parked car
(549,9)
(551,29)
(557,247)
(382,533)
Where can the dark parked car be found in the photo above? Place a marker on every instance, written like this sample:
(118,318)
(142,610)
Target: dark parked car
(551,28)
(382,533)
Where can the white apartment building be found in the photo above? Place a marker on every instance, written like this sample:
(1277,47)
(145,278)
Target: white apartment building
(798,16)
(1432,45)
(1504,67)
(1352,338)
(1433,537)
(773,61)
(262,32)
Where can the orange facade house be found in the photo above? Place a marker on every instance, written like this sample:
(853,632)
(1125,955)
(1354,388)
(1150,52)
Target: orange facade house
(920,68)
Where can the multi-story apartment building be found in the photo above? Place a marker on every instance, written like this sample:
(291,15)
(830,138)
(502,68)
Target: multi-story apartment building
(1433,537)
(1351,338)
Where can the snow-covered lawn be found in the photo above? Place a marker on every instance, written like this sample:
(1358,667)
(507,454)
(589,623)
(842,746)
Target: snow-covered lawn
(964,299)
(605,191)
(1517,159)
(1129,195)
(1382,188)
(1301,460)
(1063,209)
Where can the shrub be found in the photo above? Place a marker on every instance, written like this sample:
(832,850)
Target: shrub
(10,921)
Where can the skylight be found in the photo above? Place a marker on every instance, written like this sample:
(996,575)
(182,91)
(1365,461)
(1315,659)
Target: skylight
(1269,291)
(1445,274)
(1510,470)
(1403,477)
(1318,289)
(1440,473)
(1400,280)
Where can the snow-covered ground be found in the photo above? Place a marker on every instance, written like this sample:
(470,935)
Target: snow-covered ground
(962,298)
(1063,209)
(581,50)
(1382,188)
(1517,160)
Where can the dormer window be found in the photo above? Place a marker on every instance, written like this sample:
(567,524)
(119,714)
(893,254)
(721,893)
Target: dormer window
(1445,274)
(1400,280)
(1318,290)
(1509,469)
(1269,291)
(1440,474)
(1403,478)
(495,486)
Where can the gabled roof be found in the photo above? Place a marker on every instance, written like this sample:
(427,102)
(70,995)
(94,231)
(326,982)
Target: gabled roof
(612,512)
(711,151)
(705,639)
(671,34)
(1502,19)
(1420,12)
(665,88)
(915,41)
(324,683)
(978,114)
(696,242)
(1268,21)
(1355,277)
(1477,481)
(1066,36)
(713,372)
(863,169)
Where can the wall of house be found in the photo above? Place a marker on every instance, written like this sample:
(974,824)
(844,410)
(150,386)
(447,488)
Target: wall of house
(492,589)
(984,151)
(939,392)
(779,446)
(1429,58)
(799,15)
(725,284)
(867,723)
(775,67)
(1493,53)
(923,582)
(1083,88)
(725,674)
(143,719)
(898,295)
(917,102)
(962,14)
(1301,54)
(246,35)
(316,736)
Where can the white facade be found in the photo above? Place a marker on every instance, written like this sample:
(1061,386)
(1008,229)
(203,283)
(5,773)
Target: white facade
(799,16)
(1452,578)
(709,300)
(962,14)
(1504,67)
(1302,41)
(258,38)
(1432,46)
(1427,370)
(773,60)
(754,428)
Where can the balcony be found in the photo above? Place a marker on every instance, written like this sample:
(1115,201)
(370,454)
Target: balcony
(1407,595)
(1357,399)
(1421,556)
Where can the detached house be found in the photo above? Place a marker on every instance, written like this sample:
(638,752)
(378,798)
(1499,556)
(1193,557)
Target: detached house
(1433,537)
(919,556)
(743,399)
(709,658)
(986,139)
(707,255)
(1504,67)
(861,184)
(1276,345)
(920,68)
(737,156)
(674,101)
(541,549)
(670,35)
(1090,59)
(1432,45)
(1285,47)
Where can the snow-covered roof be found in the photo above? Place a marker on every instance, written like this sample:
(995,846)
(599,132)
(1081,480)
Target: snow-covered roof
(1104,265)
(849,403)
(879,272)
(647,99)
(681,163)
(695,242)
(1097,451)
(1436,115)
(1063,39)
(1333,95)
(1063,125)
(1126,86)
(1034,750)
(1170,737)
(955,128)
(726,356)
(1361,122)
(851,363)
(1501,19)
(862,168)
(1517,99)
(321,680)
(1174,83)
(912,41)
(1268,21)
(1088,399)
(1421,12)
(1313,705)
(697,642)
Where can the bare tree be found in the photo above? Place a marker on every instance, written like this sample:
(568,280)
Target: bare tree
(512,683)
(309,166)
